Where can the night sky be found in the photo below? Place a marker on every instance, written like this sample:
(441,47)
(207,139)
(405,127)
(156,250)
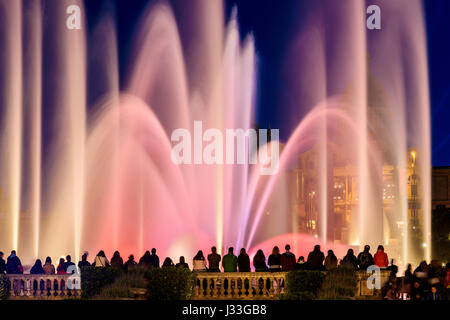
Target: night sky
(272,24)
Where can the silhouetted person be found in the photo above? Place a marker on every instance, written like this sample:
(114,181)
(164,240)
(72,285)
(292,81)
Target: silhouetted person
(130,264)
(365,258)
(68,264)
(48,267)
(167,263)
(287,259)
(330,260)
(2,264)
(13,264)
(199,262)
(214,260)
(409,274)
(146,260)
(101,260)
(182,263)
(61,267)
(154,259)
(301,264)
(393,268)
(243,261)
(274,260)
(259,261)
(229,262)
(350,259)
(37,268)
(380,258)
(316,258)
(116,260)
(83,262)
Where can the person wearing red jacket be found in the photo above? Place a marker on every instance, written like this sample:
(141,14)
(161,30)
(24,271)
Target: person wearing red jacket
(380,258)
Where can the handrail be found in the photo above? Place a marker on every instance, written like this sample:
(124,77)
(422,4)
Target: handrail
(44,286)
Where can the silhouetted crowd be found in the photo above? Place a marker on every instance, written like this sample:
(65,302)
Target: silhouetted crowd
(426,282)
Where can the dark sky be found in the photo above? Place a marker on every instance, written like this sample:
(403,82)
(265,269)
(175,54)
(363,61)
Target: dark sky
(272,23)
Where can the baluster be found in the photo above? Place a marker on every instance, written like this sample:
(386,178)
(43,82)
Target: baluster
(271,287)
(275,286)
(13,287)
(220,289)
(59,292)
(254,286)
(209,286)
(26,286)
(232,286)
(216,290)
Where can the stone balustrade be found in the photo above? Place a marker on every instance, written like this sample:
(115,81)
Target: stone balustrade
(209,285)
(239,285)
(261,285)
(41,286)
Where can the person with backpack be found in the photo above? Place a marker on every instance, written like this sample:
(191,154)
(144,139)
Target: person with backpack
(13,264)
(365,258)
(287,259)
(101,260)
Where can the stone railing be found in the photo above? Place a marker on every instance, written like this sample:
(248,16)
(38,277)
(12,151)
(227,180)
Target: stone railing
(41,286)
(261,285)
(239,285)
(209,285)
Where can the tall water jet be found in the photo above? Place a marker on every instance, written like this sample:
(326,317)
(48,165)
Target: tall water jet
(33,103)
(11,96)
(68,154)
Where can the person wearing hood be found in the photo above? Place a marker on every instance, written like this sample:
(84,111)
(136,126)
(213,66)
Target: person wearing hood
(350,259)
(13,264)
(365,258)
(380,258)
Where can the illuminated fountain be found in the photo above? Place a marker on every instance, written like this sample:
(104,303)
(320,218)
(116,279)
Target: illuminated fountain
(103,178)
